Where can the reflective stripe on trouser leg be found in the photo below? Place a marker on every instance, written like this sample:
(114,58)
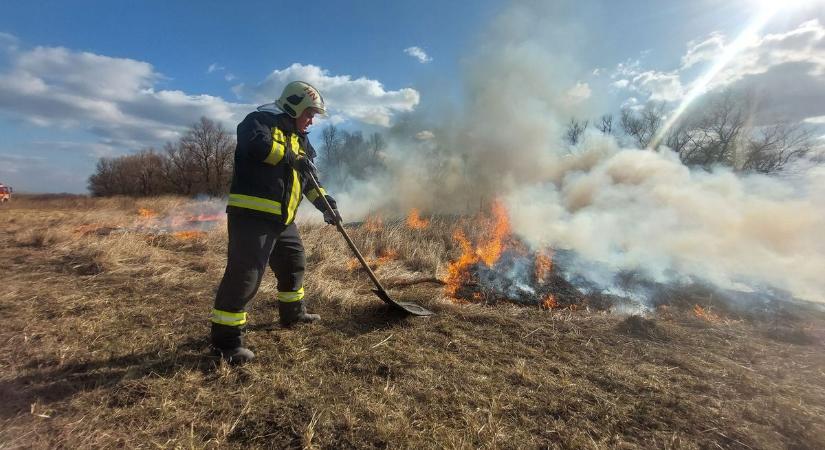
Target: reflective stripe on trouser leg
(231,319)
(293,296)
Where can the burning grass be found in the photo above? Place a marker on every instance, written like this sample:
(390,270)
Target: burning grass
(493,265)
(107,348)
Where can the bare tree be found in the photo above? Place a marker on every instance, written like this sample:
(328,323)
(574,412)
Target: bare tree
(377,144)
(718,131)
(679,137)
(132,175)
(211,148)
(147,169)
(771,148)
(178,169)
(642,126)
(333,141)
(575,131)
(103,182)
(605,124)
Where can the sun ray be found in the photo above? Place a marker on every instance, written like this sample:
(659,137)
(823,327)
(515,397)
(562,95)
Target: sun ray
(700,86)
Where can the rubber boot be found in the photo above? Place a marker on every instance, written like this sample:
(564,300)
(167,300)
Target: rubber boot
(295,312)
(235,356)
(227,343)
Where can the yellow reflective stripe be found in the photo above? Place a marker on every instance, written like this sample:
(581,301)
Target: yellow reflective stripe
(231,319)
(256,203)
(289,297)
(294,197)
(315,193)
(296,145)
(276,154)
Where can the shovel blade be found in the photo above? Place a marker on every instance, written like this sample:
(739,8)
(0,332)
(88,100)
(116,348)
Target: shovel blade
(408,307)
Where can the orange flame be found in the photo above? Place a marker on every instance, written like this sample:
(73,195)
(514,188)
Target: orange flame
(544,264)
(490,251)
(487,252)
(457,271)
(189,235)
(549,302)
(415,222)
(147,213)
(206,218)
(386,256)
(374,223)
(705,314)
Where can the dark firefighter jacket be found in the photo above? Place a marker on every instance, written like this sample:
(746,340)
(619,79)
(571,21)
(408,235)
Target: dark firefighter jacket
(264,184)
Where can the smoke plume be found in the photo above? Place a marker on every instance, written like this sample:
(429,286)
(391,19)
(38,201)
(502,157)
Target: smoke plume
(617,209)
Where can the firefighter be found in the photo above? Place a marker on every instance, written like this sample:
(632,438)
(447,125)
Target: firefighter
(273,160)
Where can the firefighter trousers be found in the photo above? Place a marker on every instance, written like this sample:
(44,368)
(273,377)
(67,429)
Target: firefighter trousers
(253,243)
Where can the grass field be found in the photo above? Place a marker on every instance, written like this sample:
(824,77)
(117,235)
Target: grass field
(104,345)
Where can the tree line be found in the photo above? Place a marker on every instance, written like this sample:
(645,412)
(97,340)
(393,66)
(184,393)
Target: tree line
(347,157)
(200,162)
(718,131)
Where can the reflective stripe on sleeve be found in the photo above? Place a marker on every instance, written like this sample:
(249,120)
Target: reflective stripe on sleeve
(256,203)
(289,297)
(294,197)
(315,193)
(231,319)
(276,154)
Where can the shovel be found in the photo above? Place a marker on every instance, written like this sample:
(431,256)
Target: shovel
(379,291)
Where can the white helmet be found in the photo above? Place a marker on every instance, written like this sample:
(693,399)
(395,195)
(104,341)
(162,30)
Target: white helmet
(296,97)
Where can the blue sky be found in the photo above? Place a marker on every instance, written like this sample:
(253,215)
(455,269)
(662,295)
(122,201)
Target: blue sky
(128,75)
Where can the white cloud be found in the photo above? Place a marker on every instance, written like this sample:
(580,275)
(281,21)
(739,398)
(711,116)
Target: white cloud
(425,135)
(632,103)
(114,98)
(418,53)
(655,85)
(361,99)
(700,51)
(578,93)
(660,86)
(214,67)
(8,42)
(120,100)
(785,71)
(621,84)
(627,69)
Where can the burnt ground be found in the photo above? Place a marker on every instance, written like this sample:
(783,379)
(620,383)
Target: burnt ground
(103,345)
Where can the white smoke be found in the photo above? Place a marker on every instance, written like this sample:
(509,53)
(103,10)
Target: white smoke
(637,210)
(619,209)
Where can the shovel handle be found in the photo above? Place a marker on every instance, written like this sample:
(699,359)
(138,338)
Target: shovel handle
(346,236)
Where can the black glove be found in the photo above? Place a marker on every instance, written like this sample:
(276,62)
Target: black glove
(305,166)
(331,217)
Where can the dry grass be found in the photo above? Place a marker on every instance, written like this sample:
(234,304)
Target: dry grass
(104,345)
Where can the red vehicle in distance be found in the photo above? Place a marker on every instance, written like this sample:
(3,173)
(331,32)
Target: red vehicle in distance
(5,193)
